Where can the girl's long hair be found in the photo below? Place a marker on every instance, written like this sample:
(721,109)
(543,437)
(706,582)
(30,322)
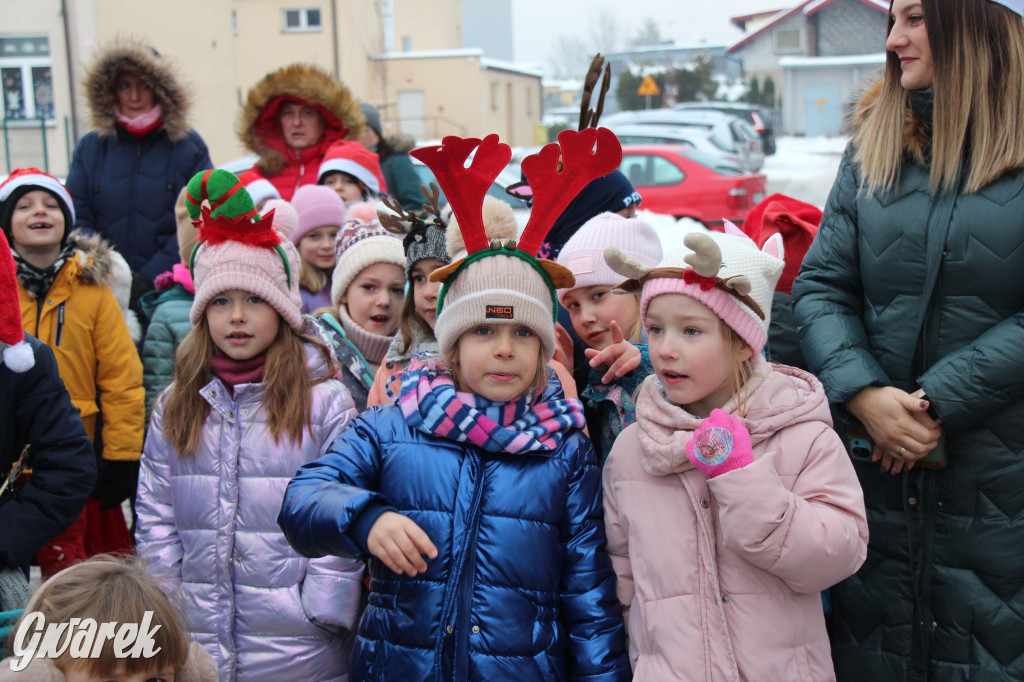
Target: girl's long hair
(287,387)
(978,54)
(311,277)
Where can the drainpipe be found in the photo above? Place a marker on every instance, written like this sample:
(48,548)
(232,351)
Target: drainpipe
(334,39)
(71,70)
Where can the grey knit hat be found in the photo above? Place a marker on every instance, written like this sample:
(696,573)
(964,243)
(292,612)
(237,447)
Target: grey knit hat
(13,589)
(372,117)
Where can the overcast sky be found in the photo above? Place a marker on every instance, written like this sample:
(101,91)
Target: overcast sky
(538,23)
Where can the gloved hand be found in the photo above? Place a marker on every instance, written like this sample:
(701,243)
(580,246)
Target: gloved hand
(720,445)
(115,482)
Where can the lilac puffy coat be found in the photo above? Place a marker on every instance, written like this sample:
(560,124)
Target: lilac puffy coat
(207,529)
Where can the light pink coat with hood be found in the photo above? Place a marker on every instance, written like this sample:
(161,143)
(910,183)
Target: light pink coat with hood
(720,579)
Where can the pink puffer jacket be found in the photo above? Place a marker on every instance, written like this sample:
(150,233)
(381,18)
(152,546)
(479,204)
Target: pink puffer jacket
(720,579)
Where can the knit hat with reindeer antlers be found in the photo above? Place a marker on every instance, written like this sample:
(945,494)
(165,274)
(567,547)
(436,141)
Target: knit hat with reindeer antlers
(422,238)
(726,272)
(239,249)
(500,281)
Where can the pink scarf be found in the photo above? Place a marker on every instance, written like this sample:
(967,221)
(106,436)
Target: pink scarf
(143,123)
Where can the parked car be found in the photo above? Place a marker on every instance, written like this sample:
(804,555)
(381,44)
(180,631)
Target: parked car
(758,118)
(687,183)
(508,176)
(728,131)
(701,139)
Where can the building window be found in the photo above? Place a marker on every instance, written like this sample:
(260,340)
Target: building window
(787,40)
(26,78)
(529,101)
(234,23)
(406,43)
(301,20)
(494,96)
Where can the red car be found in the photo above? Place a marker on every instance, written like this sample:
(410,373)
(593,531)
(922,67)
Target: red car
(684,182)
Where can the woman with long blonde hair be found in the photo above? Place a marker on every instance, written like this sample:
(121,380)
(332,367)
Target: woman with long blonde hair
(911,312)
(252,401)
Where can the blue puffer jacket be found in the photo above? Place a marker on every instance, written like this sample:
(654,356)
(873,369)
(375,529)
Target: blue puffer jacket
(125,189)
(521,589)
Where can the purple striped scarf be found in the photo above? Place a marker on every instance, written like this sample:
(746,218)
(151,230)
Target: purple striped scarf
(431,405)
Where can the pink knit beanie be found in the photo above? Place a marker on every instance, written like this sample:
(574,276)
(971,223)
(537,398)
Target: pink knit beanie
(239,249)
(360,245)
(317,206)
(583,254)
(726,272)
(286,219)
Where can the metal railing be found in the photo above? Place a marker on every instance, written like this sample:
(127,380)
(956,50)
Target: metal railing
(21,126)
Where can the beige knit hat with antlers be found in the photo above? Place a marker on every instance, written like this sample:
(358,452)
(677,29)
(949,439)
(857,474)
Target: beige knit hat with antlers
(726,272)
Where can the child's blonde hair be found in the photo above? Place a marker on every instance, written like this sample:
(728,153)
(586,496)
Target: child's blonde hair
(742,370)
(111,589)
(312,278)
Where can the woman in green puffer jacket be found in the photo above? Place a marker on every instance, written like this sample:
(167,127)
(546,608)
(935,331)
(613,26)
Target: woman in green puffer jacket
(911,311)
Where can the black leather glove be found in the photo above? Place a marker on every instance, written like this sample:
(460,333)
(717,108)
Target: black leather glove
(115,482)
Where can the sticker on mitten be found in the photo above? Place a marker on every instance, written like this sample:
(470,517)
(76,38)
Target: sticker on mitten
(712,447)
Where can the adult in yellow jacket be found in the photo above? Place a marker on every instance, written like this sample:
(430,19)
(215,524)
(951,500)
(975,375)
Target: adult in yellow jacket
(67,302)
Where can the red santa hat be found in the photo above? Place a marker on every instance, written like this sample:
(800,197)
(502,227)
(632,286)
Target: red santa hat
(346,156)
(17,354)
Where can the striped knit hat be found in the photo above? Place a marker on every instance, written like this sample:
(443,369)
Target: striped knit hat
(360,245)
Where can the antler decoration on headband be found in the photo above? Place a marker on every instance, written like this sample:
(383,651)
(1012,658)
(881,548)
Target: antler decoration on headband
(395,219)
(589,117)
(705,261)
(465,186)
(558,172)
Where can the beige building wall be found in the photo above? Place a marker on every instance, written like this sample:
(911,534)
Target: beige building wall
(433,25)
(462,96)
(24,145)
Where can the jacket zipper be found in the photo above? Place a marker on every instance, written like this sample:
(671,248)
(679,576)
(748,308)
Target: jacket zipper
(39,315)
(60,323)
(465,594)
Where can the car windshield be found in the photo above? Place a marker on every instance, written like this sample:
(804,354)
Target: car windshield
(711,161)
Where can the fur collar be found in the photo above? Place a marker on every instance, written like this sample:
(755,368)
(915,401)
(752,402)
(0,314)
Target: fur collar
(917,133)
(259,131)
(100,264)
(101,87)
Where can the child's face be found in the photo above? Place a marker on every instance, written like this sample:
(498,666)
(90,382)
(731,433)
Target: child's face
(498,362)
(37,221)
(317,247)
(593,309)
(76,672)
(345,185)
(424,291)
(374,298)
(242,324)
(692,358)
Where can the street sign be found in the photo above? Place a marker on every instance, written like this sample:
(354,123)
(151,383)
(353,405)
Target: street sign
(648,87)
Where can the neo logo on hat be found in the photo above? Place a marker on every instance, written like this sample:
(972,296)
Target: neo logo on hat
(499,312)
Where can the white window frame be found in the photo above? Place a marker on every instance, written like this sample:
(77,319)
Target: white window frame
(25,64)
(304,25)
(787,50)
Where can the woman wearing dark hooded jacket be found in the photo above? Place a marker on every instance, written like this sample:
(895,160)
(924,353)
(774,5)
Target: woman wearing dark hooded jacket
(910,310)
(125,175)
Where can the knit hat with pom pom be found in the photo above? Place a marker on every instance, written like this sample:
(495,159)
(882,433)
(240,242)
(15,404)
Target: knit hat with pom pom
(360,245)
(239,249)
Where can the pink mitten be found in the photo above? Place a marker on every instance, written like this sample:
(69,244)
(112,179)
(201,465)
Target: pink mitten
(720,445)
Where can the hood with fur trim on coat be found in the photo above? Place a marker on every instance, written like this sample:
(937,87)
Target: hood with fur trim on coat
(107,266)
(133,57)
(258,128)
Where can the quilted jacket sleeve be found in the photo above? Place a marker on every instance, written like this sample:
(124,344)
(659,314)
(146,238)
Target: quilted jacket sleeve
(828,298)
(78,182)
(618,540)
(156,535)
(590,609)
(811,536)
(979,379)
(119,382)
(157,357)
(64,467)
(325,499)
(331,589)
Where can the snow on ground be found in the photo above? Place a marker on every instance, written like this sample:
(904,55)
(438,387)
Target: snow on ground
(804,167)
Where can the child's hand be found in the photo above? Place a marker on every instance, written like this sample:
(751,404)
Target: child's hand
(622,356)
(400,543)
(720,445)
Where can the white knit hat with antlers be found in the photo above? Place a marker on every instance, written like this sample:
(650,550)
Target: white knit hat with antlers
(726,272)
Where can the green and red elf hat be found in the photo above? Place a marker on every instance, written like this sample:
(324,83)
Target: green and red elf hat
(238,248)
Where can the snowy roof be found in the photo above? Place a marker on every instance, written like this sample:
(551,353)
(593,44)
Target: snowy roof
(808,8)
(844,60)
(485,62)
(667,47)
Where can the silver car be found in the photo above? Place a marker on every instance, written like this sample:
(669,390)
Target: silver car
(727,133)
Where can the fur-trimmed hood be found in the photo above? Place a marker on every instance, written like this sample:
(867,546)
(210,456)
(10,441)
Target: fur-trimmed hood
(258,128)
(101,264)
(132,56)
(917,132)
